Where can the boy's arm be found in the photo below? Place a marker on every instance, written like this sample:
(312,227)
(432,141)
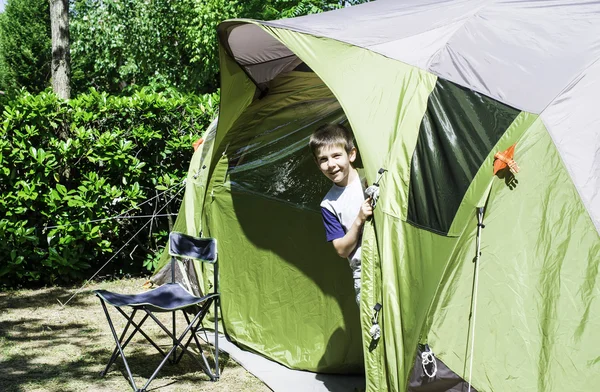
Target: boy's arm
(346,244)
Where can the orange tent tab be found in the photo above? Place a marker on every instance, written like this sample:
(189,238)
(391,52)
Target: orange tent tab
(197,143)
(504,159)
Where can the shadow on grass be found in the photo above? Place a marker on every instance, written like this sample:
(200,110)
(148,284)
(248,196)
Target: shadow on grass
(142,366)
(20,371)
(35,351)
(43,298)
(42,333)
(46,348)
(66,353)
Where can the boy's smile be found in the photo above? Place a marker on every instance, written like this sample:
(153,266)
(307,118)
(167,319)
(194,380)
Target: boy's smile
(336,163)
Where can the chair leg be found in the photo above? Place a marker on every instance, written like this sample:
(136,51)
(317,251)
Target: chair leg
(177,343)
(141,331)
(217,370)
(115,353)
(214,376)
(174,356)
(112,329)
(193,335)
(137,328)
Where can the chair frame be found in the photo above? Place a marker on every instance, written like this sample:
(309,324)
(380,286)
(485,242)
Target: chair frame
(193,326)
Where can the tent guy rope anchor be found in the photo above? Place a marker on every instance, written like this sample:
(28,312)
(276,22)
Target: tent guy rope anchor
(428,360)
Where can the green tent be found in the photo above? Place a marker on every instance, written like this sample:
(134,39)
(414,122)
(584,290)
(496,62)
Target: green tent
(432,90)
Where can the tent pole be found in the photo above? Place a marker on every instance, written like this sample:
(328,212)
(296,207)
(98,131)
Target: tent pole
(480,226)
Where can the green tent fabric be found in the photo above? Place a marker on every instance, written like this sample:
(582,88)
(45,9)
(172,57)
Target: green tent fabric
(432,90)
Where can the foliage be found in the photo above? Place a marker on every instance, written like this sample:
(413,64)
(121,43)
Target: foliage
(202,28)
(202,43)
(25,46)
(119,43)
(293,8)
(57,194)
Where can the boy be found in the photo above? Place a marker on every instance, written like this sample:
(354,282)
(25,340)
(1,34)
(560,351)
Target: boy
(344,208)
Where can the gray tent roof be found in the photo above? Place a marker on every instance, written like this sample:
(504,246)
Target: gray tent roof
(538,56)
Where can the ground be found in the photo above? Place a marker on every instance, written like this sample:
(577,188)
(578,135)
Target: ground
(47,347)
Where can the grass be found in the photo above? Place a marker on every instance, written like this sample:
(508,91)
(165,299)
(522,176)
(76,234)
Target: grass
(47,347)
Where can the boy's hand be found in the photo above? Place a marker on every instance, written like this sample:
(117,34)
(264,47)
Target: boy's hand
(366,210)
(345,245)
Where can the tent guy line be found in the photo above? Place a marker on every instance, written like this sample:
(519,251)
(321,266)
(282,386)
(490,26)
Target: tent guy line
(113,218)
(120,249)
(122,215)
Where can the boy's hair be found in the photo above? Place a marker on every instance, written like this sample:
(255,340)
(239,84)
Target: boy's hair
(331,135)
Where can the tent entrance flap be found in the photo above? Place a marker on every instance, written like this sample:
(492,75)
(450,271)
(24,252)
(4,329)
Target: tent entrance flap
(264,208)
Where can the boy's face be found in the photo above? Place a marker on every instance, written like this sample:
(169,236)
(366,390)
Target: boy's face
(335,163)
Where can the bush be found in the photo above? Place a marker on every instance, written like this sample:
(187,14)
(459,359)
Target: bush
(25,45)
(67,167)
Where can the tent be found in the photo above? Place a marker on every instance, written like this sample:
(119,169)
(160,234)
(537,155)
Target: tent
(435,91)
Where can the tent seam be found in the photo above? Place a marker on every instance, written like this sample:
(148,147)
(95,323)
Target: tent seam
(467,20)
(587,206)
(304,31)
(267,61)
(269,26)
(571,84)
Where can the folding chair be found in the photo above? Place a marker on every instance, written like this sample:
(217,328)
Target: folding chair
(169,297)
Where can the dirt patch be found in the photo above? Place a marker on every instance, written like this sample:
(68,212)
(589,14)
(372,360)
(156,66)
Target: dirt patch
(47,347)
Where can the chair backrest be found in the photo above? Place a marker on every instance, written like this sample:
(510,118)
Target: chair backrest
(187,246)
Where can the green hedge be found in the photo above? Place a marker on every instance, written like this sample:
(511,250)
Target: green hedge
(65,167)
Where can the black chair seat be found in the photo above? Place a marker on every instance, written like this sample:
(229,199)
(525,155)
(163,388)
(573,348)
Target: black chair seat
(166,298)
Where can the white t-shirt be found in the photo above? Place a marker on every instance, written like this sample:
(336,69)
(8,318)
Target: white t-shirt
(339,208)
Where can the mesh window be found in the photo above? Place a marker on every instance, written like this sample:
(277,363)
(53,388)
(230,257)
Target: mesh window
(272,157)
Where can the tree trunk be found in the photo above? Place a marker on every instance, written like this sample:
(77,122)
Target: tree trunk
(61,69)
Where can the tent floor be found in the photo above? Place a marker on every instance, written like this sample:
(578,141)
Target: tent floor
(282,379)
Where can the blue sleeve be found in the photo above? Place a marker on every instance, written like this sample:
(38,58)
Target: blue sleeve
(333,227)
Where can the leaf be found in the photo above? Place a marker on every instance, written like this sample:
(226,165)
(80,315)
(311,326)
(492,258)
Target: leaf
(41,155)
(61,189)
